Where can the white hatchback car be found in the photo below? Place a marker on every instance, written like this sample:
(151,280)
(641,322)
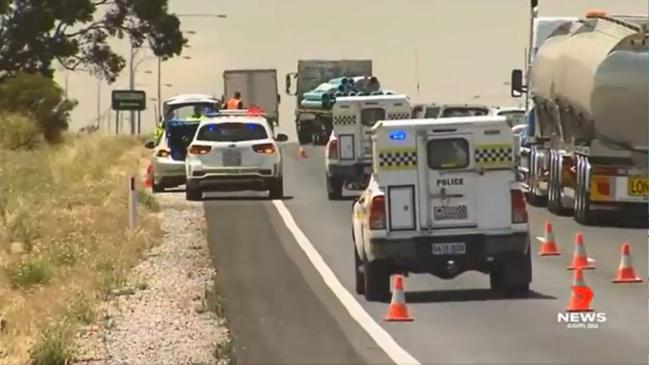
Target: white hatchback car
(234,153)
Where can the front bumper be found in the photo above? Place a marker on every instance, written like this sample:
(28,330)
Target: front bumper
(416,254)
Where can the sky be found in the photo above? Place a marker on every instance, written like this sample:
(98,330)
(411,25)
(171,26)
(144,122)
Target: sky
(457,50)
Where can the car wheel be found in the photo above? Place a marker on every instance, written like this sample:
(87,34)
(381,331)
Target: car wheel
(513,276)
(377,281)
(276,190)
(334,187)
(193,191)
(156,188)
(360,276)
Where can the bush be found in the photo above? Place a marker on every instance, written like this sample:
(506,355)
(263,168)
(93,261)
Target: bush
(18,131)
(40,98)
(54,346)
(29,273)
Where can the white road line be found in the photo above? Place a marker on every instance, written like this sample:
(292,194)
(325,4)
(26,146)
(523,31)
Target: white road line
(380,335)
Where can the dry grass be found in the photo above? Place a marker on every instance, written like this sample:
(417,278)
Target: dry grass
(66,206)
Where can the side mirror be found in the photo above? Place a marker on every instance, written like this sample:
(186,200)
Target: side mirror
(281,137)
(517,87)
(150,145)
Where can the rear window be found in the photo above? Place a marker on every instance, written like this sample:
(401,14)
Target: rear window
(464,112)
(447,154)
(370,116)
(432,112)
(232,132)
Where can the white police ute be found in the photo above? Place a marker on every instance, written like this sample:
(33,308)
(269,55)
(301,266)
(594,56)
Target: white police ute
(234,151)
(442,200)
(348,154)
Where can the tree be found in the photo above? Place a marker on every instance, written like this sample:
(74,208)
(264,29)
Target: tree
(41,99)
(34,33)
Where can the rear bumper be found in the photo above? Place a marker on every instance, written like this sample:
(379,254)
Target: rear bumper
(168,172)
(355,171)
(416,254)
(234,182)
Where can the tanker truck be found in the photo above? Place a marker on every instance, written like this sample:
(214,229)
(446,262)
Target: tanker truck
(588,147)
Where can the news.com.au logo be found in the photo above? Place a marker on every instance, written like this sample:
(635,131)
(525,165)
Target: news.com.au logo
(582,320)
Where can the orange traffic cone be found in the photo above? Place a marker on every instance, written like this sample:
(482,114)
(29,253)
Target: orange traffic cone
(549,245)
(581,294)
(625,273)
(302,152)
(580,259)
(397,311)
(147,179)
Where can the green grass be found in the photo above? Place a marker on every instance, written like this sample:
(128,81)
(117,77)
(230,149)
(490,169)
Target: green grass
(29,273)
(54,346)
(82,310)
(147,200)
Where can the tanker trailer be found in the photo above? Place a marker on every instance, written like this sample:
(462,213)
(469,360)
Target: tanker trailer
(589,86)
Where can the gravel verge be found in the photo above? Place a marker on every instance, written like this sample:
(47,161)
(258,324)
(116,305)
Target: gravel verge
(169,313)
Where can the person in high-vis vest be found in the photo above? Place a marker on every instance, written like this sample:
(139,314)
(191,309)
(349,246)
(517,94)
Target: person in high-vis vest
(234,102)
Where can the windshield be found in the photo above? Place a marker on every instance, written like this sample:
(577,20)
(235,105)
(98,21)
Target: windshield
(513,116)
(232,132)
(464,112)
(185,111)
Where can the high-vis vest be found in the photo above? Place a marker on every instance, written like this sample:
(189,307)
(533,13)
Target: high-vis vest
(233,103)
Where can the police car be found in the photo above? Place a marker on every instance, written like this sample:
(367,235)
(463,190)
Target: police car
(348,154)
(175,133)
(234,151)
(442,200)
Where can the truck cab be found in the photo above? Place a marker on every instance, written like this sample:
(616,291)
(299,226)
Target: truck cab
(442,199)
(348,153)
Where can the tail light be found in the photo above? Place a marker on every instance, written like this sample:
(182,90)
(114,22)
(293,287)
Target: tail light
(199,150)
(333,149)
(162,153)
(519,209)
(266,148)
(377,213)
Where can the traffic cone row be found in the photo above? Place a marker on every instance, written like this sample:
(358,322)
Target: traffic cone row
(582,294)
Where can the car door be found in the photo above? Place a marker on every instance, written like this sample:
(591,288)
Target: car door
(447,182)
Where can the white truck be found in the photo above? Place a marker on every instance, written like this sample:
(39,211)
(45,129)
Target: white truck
(442,200)
(348,154)
(257,87)
(587,136)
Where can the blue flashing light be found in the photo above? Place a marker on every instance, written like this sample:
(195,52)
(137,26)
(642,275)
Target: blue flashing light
(211,127)
(251,126)
(398,135)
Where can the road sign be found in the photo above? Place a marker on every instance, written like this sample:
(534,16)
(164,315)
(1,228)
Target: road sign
(128,100)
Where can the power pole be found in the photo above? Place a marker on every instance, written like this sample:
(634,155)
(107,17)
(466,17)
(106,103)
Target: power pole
(132,87)
(159,87)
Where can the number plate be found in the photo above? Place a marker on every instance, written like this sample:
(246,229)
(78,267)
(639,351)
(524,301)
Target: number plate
(455,248)
(454,212)
(231,158)
(638,186)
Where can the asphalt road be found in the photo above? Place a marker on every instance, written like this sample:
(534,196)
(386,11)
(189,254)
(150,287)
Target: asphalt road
(281,312)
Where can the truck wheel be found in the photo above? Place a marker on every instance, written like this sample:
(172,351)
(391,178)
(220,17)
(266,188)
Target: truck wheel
(335,187)
(193,191)
(276,190)
(377,281)
(360,276)
(512,277)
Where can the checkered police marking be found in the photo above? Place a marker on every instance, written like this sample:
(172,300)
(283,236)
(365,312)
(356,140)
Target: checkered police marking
(398,159)
(395,116)
(494,155)
(344,119)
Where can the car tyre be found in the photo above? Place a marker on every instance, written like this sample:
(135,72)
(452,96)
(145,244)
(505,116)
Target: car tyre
(512,277)
(193,191)
(156,188)
(276,190)
(335,187)
(377,281)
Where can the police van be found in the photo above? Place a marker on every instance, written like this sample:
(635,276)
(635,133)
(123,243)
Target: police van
(442,200)
(348,154)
